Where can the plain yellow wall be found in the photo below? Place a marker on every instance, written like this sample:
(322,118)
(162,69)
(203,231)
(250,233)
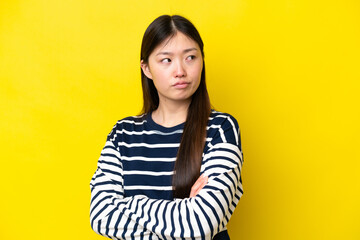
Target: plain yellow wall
(288,70)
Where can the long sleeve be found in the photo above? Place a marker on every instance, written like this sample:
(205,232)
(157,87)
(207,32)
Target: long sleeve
(200,217)
(107,192)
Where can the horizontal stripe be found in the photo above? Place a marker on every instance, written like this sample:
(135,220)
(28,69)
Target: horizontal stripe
(134,172)
(137,187)
(169,145)
(132,122)
(148,159)
(123,131)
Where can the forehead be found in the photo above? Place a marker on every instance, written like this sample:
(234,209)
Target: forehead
(177,42)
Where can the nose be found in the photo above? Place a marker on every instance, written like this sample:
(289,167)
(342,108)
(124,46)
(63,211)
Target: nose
(179,70)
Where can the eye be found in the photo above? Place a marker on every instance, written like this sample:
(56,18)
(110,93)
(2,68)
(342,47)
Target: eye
(191,57)
(166,60)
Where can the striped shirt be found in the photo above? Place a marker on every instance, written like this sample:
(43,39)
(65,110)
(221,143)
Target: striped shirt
(131,190)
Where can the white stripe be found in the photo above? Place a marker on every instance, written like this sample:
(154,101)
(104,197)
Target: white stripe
(189,204)
(175,220)
(141,187)
(209,213)
(139,116)
(222,135)
(149,173)
(110,159)
(201,216)
(161,224)
(132,122)
(168,219)
(222,116)
(113,221)
(236,134)
(147,132)
(222,154)
(161,145)
(140,158)
(220,130)
(229,146)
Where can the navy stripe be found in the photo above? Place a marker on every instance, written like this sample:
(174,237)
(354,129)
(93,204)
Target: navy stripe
(127,222)
(223,159)
(218,202)
(111,171)
(103,162)
(163,216)
(188,219)
(143,207)
(206,217)
(94,207)
(110,183)
(101,210)
(103,191)
(180,222)
(116,226)
(99,226)
(231,180)
(135,227)
(199,224)
(110,147)
(172,222)
(212,209)
(226,185)
(151,193)
(109,155)
(156,216)
(147,221)
(108,224)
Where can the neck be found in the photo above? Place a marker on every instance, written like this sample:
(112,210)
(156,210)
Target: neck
(169,115)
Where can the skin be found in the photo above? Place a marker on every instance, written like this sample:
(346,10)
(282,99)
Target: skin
(198,185)
(175,67)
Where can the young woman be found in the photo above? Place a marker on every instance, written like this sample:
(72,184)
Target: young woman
(174,171)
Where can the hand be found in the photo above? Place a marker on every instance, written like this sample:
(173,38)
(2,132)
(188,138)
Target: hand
(198,185)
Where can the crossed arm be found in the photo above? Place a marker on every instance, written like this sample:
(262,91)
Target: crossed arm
(201,216)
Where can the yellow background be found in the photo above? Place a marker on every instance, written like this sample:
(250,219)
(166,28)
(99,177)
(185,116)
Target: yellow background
(288,70)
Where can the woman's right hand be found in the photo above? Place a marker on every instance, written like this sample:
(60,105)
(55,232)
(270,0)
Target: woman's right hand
(198,185)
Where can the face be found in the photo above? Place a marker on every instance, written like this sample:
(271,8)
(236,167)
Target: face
(175,67)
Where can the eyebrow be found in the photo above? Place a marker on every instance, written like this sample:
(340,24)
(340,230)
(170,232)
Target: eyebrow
(170,53)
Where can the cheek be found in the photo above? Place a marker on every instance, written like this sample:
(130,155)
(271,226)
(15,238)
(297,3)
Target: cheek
(160,79)
(197,71)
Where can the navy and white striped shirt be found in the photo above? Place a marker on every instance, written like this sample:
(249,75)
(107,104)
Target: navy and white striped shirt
(131,190)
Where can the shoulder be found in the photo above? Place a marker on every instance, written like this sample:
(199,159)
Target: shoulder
(222,119)
(127,124)
(223,128)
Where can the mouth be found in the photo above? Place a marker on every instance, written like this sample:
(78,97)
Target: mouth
(181,84)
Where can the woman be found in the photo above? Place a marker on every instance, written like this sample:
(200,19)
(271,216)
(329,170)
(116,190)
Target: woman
(174,171)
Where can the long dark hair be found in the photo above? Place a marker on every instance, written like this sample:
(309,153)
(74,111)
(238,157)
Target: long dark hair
(189,156)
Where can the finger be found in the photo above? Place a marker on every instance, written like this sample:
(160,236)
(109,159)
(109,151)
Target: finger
(196,185)
(204,182)
(199,184)
(196,191)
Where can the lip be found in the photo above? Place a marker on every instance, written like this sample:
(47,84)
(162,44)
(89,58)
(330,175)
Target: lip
(181,84)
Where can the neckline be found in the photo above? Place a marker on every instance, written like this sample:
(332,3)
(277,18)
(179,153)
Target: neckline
(154,125)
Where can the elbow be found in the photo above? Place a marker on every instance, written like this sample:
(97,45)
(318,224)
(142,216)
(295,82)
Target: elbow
(94,225)
(208,231)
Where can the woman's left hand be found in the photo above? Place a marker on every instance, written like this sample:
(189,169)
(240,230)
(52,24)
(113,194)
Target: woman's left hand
(198,185)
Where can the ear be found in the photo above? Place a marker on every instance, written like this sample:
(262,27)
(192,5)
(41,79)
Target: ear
(145,68)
